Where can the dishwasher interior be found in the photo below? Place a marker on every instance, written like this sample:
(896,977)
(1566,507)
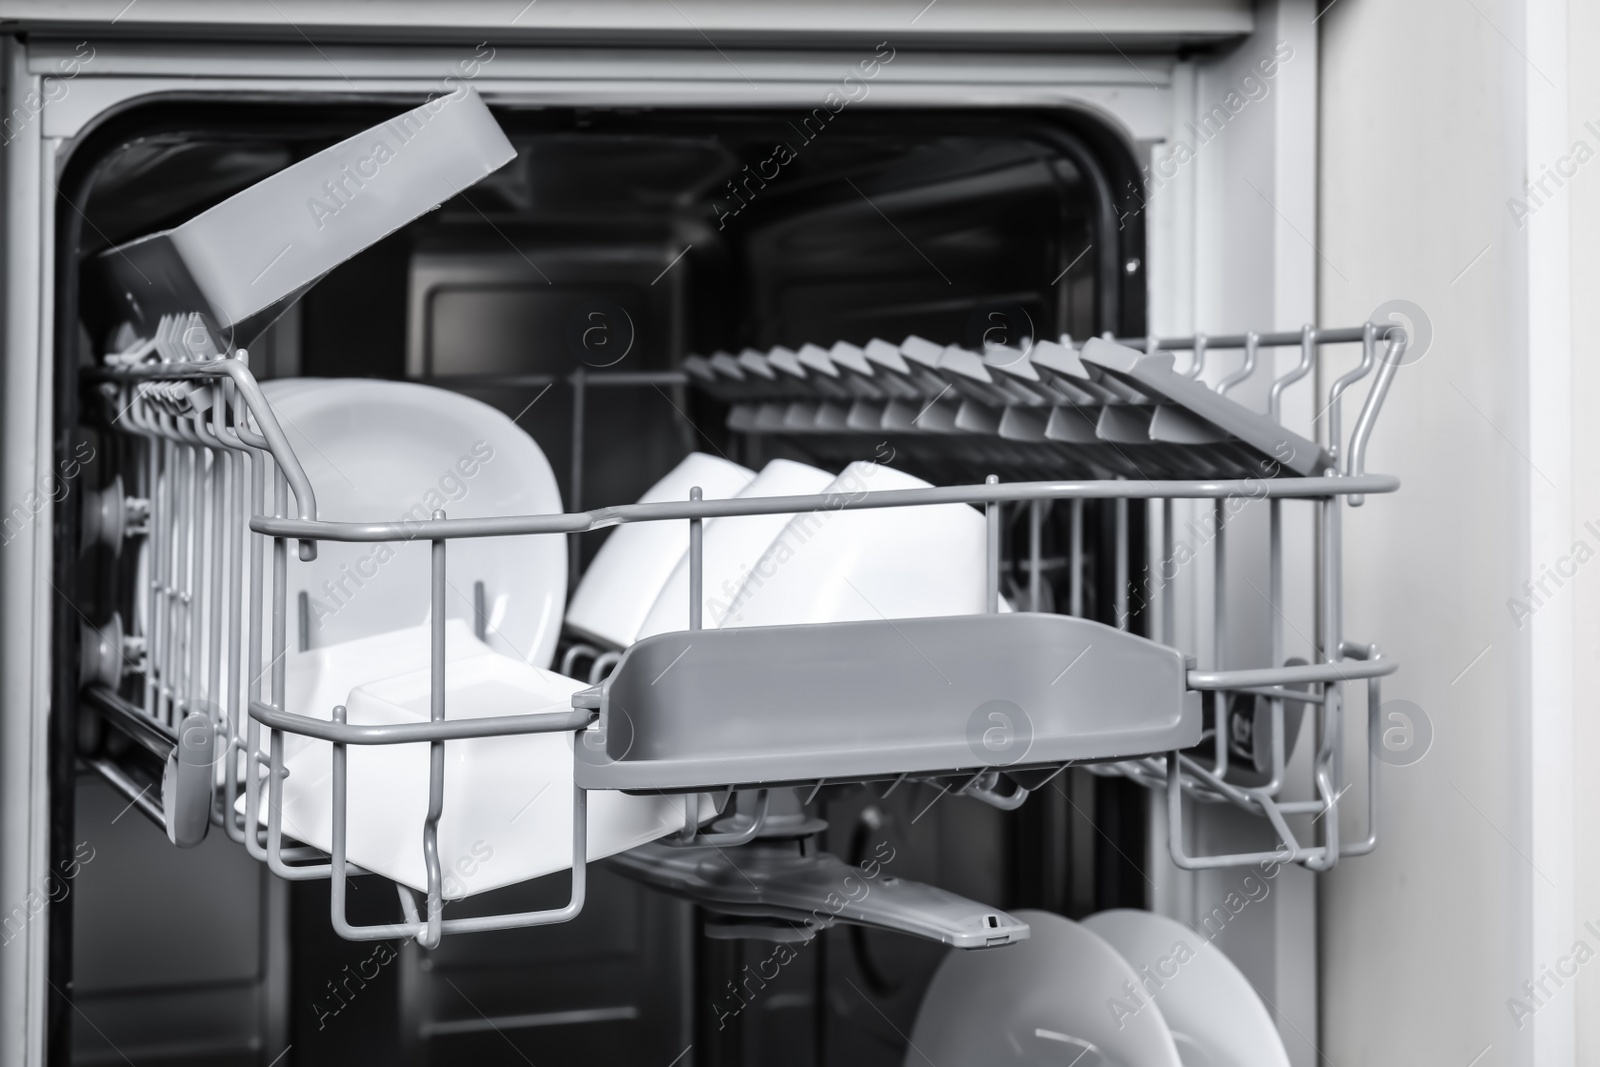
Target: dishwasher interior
(584,290)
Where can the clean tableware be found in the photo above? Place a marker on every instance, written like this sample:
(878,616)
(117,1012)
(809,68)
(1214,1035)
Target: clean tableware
(507,800)
(1043,1002)
(317,679)
(1214,1012)
(398,451)
(732,547)
(627,574)
(836,565)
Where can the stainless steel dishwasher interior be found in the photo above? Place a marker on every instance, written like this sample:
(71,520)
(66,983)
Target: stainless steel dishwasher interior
(669,232)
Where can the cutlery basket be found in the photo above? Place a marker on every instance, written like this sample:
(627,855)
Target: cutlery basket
(988,705)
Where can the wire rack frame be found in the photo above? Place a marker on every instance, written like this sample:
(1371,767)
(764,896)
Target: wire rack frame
(221,474)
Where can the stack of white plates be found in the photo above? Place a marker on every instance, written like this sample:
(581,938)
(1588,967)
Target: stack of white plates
(401,451)
(1121,989)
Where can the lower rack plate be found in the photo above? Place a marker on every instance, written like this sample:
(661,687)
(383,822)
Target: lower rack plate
(709,709)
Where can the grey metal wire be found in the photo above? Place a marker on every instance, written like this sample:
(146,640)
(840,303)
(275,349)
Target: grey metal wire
(220,474)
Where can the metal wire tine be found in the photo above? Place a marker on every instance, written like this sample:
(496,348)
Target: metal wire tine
(1251,341)
(1308,355)
(235,610)
(339,865)
(1169,606)
(276,861)
(1075,586)
(1330,737)
(217,545)
(156,560)
(254,670)
(1356,458)
(696,562)
(1119,603)
(436,678)
(152,552)
(991,512)
(199,550)
(1374,725)
(280,592)
(1035,537)
(1369,347)
(1275,638)
(1197,367)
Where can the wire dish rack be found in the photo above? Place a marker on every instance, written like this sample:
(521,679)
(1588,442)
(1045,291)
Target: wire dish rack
(200,683)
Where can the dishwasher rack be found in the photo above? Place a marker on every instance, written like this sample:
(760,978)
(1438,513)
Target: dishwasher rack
(219,474)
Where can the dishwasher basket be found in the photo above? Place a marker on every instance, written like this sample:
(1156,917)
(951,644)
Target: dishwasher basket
(201,682)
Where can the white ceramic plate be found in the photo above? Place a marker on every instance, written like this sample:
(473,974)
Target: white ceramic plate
(1215,1015)
(628,573)
(507,801)
(1043,1002)
(386,451)
(834,565)
(733,545)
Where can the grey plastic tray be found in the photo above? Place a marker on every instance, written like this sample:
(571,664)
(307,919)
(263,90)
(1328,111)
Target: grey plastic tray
(707,709)
(242,261)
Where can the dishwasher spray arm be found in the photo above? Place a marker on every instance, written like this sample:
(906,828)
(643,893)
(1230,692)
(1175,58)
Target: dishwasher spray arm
(784,891)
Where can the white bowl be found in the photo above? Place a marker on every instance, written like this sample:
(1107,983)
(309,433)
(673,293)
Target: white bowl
(316,680)
(733,545)
(1213,1010)
(626,577)
(834,565)
(1038,1002)
(380,451)
(507,800)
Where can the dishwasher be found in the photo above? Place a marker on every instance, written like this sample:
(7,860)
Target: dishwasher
(946,303)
